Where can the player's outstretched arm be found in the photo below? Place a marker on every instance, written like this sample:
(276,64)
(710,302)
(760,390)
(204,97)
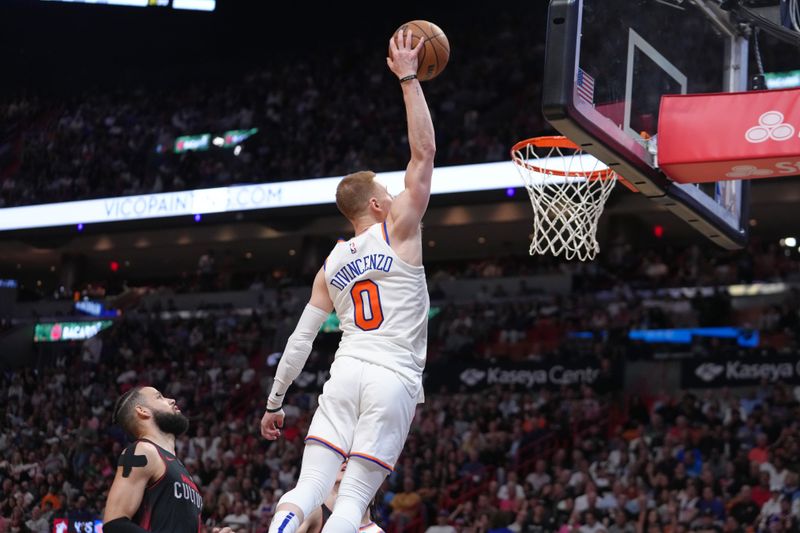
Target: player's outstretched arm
(409,206)
(295,355)
(138,465)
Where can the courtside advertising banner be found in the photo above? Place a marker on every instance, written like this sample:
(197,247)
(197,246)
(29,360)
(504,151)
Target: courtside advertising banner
(455,377)
(739,372)
(520,376)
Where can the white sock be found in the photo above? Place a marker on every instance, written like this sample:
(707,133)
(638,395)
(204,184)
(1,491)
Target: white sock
(284,522)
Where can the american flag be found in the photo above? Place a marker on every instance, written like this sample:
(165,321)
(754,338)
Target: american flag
(585,86)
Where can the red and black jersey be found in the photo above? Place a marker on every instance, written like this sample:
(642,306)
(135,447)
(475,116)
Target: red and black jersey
(172,503)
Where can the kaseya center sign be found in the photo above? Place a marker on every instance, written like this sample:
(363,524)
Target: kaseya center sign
(457,376)
(739,372)
(68,331)
(521,376)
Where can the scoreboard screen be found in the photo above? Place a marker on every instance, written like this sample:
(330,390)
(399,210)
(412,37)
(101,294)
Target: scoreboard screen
(194,5)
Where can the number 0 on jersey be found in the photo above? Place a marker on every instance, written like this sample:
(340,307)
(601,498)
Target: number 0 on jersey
(367,305)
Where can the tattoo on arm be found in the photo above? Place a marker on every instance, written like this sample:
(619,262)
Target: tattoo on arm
(129,460)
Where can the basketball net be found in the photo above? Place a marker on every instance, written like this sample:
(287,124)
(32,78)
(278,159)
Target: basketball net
(568,190)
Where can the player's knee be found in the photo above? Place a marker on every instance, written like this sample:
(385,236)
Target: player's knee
(309,493)
(316,480)
(306,496)
(317,485)
(357,489)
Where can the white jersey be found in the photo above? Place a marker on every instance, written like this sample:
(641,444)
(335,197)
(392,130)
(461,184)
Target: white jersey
(382,304)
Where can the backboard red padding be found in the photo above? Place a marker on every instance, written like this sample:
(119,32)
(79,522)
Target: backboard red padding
(723,136)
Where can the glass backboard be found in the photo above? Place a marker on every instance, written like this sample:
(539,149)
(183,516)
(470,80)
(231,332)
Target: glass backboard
(609,62)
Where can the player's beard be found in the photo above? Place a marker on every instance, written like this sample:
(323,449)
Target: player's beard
(172,423)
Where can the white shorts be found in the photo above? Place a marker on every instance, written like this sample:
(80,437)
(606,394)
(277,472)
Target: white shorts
(364,411)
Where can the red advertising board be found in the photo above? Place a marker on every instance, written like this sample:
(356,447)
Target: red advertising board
(723,136)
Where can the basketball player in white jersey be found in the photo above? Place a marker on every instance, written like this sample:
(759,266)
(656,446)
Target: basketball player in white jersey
(376,283)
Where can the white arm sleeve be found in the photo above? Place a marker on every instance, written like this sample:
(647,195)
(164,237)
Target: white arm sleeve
(296,353)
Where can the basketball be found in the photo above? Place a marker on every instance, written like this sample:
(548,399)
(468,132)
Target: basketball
(435,52)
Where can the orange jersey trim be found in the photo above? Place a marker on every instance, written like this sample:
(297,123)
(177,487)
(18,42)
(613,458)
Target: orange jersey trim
(374,460)
(328,444)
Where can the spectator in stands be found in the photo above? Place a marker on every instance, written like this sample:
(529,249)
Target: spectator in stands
(710,501)
(759,453)
(590,524)
(238,519)
(539,477)
(743,508)
(769,509)
(510,495)
(789,516)
(52,498)
(762,492)
(37,523)
(442,525)
(791,489)
(80,511)
(732,526)
(620,523)
(706,523)
(406,505)
(541,521)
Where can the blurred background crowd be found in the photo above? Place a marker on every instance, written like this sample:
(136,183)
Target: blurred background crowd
(623,446)
(576,457)
(569,458)
(312,113)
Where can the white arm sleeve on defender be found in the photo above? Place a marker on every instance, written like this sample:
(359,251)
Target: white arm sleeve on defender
(296,353)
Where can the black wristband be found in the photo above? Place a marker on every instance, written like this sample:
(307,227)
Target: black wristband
(409,77)
(274,410)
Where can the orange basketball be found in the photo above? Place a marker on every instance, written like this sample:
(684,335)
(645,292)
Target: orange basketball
(435,52)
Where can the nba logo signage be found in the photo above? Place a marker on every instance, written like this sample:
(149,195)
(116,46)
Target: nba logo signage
(726,136)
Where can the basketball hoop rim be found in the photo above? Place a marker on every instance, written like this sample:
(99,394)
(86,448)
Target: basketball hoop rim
(547,141)
(556,141)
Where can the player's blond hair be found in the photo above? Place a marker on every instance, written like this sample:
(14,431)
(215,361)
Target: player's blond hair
(353,193)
